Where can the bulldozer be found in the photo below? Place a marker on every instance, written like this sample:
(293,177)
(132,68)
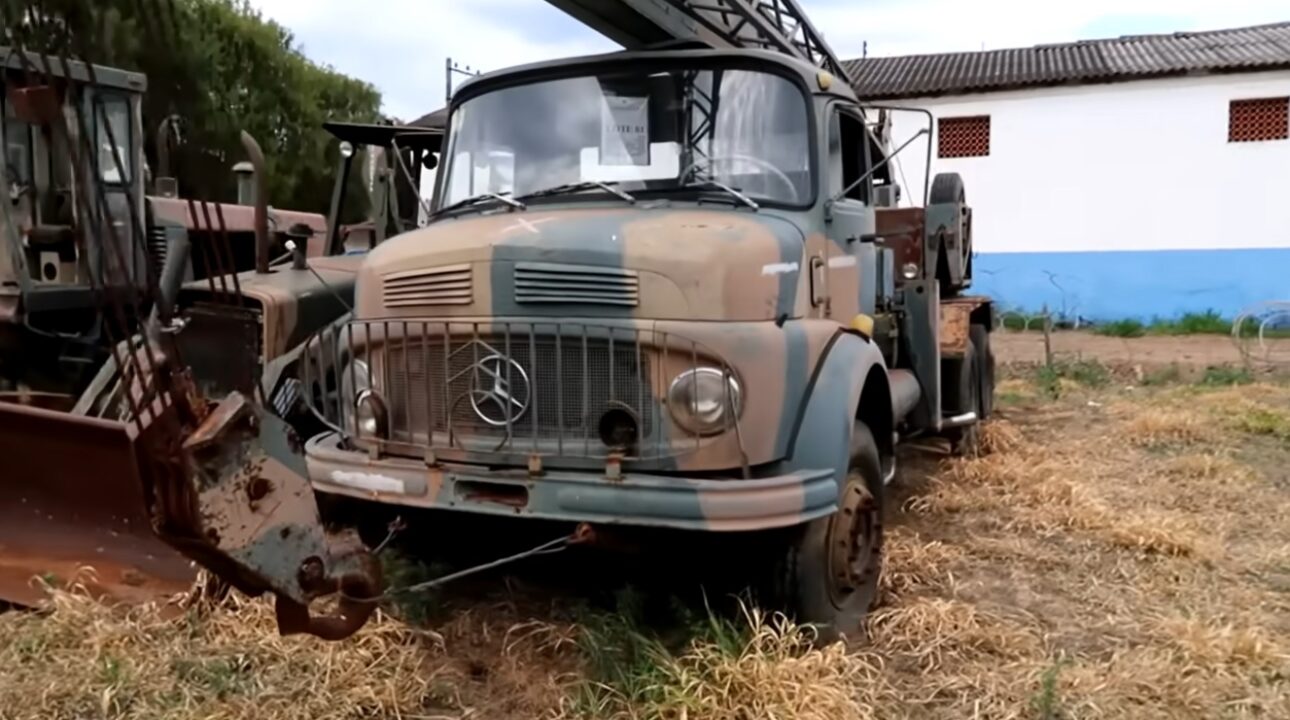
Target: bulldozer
(179,450)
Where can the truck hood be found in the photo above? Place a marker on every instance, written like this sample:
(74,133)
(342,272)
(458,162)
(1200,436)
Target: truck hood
(664,263)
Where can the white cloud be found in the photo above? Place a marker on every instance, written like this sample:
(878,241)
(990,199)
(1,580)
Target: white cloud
(400,45)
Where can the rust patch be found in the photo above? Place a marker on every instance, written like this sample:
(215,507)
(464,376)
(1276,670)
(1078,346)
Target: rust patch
(955,328)
(902,230)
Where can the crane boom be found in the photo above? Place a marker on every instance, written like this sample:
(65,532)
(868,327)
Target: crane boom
(778,25)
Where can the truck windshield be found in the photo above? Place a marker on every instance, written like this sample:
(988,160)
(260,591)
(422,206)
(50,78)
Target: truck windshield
(642,130)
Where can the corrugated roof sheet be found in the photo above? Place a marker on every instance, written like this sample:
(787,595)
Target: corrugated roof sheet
(1132,57)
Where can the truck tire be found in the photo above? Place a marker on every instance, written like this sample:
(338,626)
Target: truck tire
(829,569)
(980,339)
(947,188)
(961,385)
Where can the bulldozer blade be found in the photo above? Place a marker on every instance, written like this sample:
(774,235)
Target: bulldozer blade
(72,500)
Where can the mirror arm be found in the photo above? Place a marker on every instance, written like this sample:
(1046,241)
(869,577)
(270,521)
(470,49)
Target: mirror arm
(868,173)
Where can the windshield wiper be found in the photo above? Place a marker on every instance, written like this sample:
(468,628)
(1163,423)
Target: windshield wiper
(580,186)
(713,184)
(476,199)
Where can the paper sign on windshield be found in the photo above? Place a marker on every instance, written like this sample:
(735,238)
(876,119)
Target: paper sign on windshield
(624,131)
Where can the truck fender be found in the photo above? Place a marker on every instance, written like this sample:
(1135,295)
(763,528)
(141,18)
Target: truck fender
(842,389)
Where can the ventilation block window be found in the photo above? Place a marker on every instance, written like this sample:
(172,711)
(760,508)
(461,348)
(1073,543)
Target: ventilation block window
(963,136)
(1258,119)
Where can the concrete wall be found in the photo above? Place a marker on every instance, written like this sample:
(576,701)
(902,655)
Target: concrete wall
(1120,200)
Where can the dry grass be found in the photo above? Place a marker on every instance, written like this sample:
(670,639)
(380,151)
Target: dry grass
(773,671)
(1114,554)
(1163,427)
(79,659)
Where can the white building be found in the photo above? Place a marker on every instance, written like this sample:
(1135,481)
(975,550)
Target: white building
(1143,176)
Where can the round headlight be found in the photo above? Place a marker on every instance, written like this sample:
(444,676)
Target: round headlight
(371,416)
(704,400)
(355,377)
(346,149)
(909,270)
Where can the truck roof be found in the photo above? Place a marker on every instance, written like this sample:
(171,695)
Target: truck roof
(76,70)
(807,72)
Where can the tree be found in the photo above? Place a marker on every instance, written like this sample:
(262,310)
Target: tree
(218,67)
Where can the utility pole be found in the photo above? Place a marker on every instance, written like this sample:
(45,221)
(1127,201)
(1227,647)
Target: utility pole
(451,68)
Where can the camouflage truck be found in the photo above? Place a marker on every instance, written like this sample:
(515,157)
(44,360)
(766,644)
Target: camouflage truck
(664,289)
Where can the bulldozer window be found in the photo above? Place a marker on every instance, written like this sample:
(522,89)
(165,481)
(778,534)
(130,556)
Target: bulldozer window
(113,112)
(17,150)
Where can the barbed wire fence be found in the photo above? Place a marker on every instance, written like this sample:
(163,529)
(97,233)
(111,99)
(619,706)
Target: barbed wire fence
(1262,335)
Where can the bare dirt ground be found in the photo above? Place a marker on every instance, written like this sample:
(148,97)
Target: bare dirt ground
(1152,351)
(1121,551)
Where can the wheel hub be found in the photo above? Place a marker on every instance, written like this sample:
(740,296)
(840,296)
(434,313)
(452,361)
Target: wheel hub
(852,540)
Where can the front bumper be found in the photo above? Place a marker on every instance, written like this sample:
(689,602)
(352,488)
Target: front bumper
(721,505)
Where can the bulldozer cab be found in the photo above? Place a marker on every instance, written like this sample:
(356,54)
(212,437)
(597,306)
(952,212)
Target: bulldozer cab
(51,262)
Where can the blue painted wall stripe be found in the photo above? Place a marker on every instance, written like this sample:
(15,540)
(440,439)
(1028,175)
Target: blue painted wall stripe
(1102,286)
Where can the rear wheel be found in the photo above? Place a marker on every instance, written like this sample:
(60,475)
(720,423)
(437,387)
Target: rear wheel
(828,574)
(980,338)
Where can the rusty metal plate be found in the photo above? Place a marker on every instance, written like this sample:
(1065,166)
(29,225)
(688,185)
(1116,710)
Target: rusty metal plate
(72,498)
(955,329)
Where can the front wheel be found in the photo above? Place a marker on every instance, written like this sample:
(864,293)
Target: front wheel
(830,566)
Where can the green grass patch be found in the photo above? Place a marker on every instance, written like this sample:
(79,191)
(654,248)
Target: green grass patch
(399,571)
(1225,375)
(1089,373)
(1264,421)
(1167,375)
(1128,328)
(630,662)
(1046,702)
(215,677)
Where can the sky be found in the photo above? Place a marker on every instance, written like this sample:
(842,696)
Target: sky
(400,45)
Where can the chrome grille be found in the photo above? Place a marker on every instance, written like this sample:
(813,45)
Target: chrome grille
(448,285)
(578,390)
(583,284)
(564,385)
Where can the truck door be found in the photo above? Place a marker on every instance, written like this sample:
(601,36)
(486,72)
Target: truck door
(851,262)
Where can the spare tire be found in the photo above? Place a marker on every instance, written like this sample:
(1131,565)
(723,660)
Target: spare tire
(947,188)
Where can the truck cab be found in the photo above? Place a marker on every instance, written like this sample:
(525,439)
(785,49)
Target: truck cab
(653,292)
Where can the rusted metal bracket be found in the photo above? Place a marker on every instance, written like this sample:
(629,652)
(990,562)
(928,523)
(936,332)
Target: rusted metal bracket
(257,523)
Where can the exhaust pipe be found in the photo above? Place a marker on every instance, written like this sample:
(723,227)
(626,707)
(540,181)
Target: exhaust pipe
(905,392)
(261,203)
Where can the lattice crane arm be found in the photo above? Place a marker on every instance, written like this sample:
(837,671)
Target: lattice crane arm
(778,25)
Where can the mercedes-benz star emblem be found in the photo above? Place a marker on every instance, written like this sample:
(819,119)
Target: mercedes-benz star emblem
(499,390)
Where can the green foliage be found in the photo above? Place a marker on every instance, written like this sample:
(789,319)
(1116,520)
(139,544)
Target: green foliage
(220,67)
(1206,323)
(1219,375)
(1128,328)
